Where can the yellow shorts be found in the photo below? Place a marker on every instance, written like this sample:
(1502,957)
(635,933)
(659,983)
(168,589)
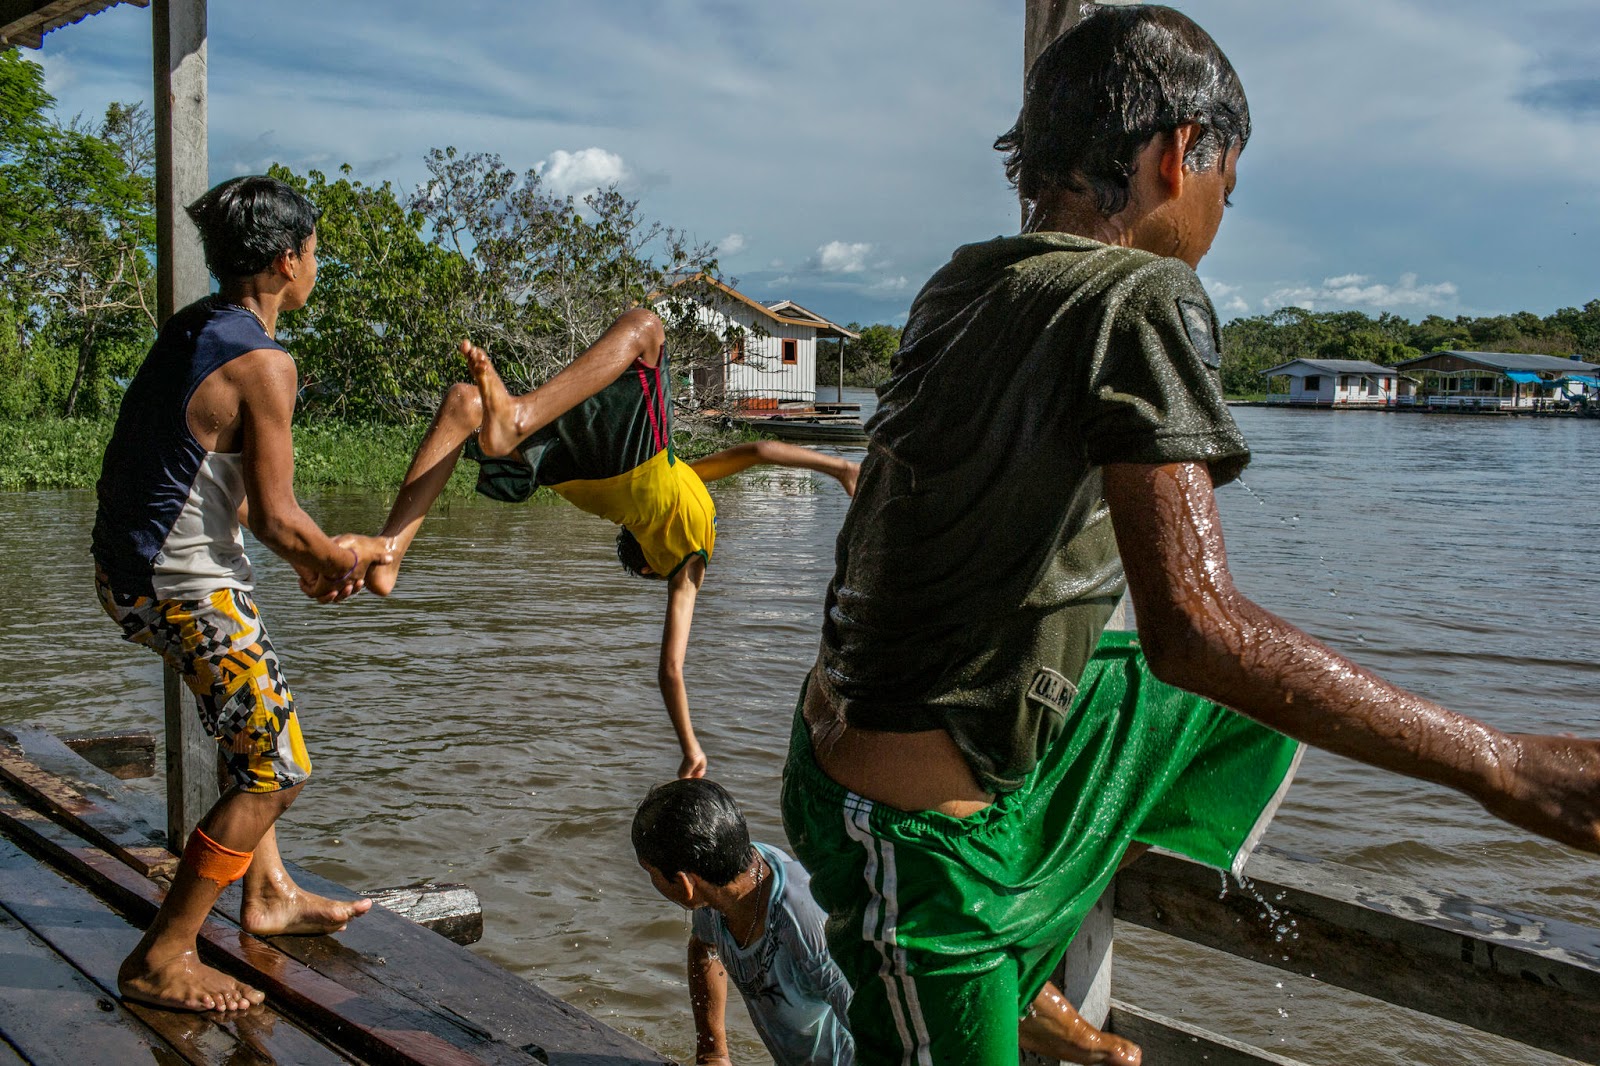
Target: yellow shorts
(220,648)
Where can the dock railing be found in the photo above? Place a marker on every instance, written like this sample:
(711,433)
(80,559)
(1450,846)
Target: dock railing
(1532,980)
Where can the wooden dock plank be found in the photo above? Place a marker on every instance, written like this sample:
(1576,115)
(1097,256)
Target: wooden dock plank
(381,946)
(382,950)
(55,1016)
(8,1054)
(94,822)
(375,1022)
(95,940)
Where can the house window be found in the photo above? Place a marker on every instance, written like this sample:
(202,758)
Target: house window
(1344,382)
(791,352)
(736,353)
(1313,383)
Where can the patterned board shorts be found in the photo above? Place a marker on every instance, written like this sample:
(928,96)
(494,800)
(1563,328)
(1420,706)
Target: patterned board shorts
(220,648)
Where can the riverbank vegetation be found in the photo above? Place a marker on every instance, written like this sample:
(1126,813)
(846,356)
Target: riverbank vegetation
(477,250)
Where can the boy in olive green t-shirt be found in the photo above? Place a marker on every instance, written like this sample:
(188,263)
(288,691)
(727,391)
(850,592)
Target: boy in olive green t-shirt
(973,758)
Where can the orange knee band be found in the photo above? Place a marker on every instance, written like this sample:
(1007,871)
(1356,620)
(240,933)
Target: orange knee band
(214,862)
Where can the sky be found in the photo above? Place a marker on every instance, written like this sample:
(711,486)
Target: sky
(1411,156)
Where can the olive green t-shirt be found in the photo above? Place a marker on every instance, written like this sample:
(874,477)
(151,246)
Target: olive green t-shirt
(977,565)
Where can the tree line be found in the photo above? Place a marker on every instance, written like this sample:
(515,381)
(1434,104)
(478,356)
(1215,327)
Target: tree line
(477,250)
(1251,346)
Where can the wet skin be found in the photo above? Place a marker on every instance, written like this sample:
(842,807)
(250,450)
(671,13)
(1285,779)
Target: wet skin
(247,406)
(165,969)
(1200,634)
(501,421)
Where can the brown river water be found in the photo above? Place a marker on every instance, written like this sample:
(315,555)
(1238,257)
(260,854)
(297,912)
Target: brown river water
(496,720)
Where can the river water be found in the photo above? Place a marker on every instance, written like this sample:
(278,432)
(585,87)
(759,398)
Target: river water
(496,720)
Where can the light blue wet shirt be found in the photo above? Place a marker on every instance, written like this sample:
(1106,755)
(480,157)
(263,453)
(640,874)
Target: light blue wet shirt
(796,995)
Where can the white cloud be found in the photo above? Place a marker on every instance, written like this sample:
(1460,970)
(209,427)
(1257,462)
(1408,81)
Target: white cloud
(887,286)
(732,244)
(840,257)
(578,173)
(1360,290)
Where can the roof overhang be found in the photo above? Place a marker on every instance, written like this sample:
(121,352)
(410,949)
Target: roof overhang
(810,319)
(25,22)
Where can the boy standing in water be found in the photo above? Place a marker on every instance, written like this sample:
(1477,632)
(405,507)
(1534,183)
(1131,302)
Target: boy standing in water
(599,434)
(202,444)
(973,759)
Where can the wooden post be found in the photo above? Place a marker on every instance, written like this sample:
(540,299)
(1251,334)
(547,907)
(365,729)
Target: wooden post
(1046,20)
(179,47)
(841,368)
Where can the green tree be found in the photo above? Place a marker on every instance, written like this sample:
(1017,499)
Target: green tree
(377,340)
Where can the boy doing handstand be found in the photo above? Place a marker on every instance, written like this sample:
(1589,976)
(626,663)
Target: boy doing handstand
(201,445)
(599,434)
(973,759)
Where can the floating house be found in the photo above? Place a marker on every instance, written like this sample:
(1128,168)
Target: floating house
(1339,383)
(1503,381)
(773,360)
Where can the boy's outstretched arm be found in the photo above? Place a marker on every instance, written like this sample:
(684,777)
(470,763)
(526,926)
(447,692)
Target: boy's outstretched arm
(1201,634)
(776,453)
(682,589)
(329,568)
(507,419)
(708,997)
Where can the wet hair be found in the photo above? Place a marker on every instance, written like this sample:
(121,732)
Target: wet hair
(631,554)
(245,223)
(692,826)
(1098,94)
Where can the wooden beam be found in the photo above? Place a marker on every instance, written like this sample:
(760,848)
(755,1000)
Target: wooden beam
(179,46)
(1177,1043)
(376,1022)
(42,998)
(1045,21)
(1534,980)
(67,806)
(452,911)
(88,934)
(126,756)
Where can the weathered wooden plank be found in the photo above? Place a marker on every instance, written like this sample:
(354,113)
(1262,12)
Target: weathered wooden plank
(453,911)
(1535,980)
(382,946)
(8,1054)
(42,999)
(1171,1042)
(95,940)
(101,826)
(143,812)
(126,756)
(374,1022)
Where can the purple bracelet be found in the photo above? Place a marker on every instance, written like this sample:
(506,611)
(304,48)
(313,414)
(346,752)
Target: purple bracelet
(355,561)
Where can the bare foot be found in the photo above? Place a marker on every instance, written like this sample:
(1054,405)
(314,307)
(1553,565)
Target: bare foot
(1054,1029)
(183,983)
(852,471)
(499,435)
(299,913)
